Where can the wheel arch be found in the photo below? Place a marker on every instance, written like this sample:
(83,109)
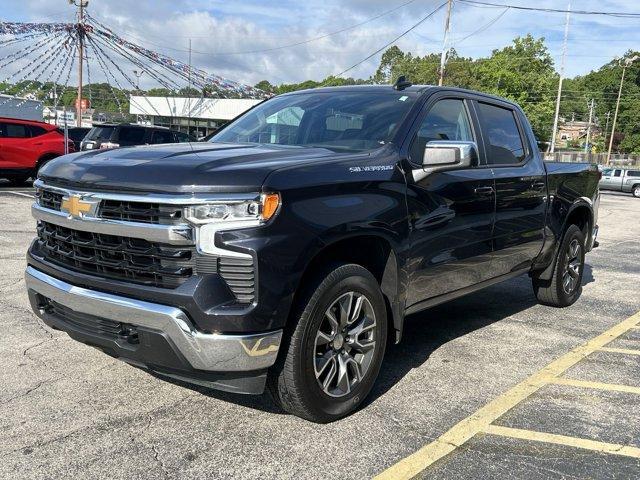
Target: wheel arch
(580,214)
(371,251)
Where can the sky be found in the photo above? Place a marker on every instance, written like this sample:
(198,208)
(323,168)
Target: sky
(224,33)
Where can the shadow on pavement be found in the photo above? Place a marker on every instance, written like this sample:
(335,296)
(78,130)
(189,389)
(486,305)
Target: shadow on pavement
(424,333)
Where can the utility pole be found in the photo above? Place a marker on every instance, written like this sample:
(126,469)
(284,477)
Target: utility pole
(564,52)
(443,56)
(81,4)
(189,93)
(627,62)
(586,145)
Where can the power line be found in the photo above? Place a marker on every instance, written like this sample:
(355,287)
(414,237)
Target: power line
(415,25)
(553,10)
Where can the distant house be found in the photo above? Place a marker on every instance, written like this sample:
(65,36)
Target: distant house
(574,131)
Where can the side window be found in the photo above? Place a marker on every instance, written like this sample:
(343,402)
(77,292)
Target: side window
(446,120)
(16,130)
(607,172)
(617,173)
(162,136)
(37,131)
(182,137)
(281,127)
(633,173)
(504,140)
(131,135)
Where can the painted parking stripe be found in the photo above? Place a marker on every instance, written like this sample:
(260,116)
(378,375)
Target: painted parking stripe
(626,351)
(610,387)
(19,194)
(604,447)
(480,421)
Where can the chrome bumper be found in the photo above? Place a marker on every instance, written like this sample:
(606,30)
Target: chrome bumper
(209,352)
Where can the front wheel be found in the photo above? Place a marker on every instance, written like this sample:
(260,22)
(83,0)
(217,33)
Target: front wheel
(336,347)
(565,286)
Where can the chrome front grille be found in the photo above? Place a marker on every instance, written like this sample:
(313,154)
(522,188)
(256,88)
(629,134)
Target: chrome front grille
(121,258)
(127,238)
(142,212)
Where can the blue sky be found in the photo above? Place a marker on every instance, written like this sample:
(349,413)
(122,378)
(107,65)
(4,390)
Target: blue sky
(218,28)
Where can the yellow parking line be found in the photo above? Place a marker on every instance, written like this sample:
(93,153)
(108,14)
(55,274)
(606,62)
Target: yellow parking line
(612,448)
(610,387)
(626,351)
(480,420)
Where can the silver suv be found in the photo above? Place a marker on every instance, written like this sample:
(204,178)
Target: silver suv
(621,180)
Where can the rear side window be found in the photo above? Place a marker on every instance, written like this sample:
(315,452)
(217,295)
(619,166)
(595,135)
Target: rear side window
(100,133)
(633,173)
(37,131)
(162,136)
(504,140)
(15,130)
(182,137)
(131,135)
(617,173)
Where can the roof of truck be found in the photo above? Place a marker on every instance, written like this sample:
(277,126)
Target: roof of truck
(414,90)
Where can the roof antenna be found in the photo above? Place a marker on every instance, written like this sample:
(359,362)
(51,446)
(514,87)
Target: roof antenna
(402,83)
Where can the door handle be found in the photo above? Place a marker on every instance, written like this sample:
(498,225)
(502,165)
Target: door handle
(538,186)
(483,190)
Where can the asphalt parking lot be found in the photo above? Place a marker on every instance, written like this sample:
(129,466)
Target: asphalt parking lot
(492,385)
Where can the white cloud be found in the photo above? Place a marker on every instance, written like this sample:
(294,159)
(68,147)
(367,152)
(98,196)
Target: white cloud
(217,27)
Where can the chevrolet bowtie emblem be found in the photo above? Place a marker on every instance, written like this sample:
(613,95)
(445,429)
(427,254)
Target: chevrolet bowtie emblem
(75,207)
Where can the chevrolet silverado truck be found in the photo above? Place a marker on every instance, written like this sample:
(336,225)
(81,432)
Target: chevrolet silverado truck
(285,253)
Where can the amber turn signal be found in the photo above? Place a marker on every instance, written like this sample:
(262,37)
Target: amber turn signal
(270,204)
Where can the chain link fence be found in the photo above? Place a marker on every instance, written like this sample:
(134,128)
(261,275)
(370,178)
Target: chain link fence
(618,160)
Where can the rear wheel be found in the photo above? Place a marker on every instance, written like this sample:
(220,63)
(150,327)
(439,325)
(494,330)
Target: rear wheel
(336,347)
(636,191)
(565,286)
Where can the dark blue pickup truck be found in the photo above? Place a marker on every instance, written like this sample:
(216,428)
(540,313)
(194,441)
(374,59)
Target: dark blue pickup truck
(286,252)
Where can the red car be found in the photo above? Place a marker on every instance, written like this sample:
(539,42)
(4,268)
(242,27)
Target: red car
(26,145)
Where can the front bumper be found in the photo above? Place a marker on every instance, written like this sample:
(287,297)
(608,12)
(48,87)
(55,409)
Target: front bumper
(159,337)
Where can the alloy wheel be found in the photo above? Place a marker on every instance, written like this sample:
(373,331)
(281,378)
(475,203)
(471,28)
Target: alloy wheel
(571,274)
(345,344)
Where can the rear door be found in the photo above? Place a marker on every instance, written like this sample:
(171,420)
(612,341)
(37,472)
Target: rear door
(521,186)
(450,212)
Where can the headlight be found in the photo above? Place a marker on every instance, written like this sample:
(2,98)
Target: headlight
(211,218)
(259,210)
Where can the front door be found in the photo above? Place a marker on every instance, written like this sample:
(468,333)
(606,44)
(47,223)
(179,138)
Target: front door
(450,212)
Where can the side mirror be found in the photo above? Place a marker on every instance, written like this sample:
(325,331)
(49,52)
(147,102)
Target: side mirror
(441,155)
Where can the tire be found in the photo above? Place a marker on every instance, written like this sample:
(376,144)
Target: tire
(18,181)
(301,382)
(559,291)
(636,191)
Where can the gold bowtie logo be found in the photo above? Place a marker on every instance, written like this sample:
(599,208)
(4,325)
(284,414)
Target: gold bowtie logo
(74,206)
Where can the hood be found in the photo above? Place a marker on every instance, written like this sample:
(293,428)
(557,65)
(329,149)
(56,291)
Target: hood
(182,167)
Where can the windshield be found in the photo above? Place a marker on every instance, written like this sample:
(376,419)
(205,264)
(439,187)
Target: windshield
(100,133)
(338,120)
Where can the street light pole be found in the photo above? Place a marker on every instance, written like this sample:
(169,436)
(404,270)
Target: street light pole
(81,4)
(564,53)
(627,62)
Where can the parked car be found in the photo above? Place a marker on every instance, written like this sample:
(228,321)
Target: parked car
(621,180)
(284,252)
(77,134)
(25,146)
(127,135)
